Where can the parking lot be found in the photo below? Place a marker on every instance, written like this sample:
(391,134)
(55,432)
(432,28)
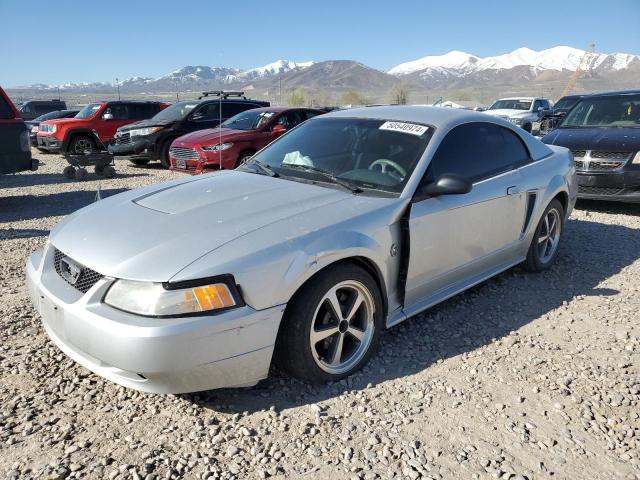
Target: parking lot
(525,376)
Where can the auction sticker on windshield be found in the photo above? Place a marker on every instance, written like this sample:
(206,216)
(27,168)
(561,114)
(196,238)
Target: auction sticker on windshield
(411,128)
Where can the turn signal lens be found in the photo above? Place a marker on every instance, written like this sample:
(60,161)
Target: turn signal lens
(211,297)
(636,159)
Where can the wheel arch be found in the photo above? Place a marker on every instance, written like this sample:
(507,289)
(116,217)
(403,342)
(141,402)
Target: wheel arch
(70,134)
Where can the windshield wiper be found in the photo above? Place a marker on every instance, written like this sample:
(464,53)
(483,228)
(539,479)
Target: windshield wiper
(263,167)
(339,181)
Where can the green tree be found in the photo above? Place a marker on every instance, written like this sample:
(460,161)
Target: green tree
(352,97)
(297,98)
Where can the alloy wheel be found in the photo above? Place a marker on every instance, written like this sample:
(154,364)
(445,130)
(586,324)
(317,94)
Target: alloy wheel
(343,327)
(549,235)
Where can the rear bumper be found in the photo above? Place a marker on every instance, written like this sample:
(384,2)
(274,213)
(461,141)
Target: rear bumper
(623,186)
(175,355)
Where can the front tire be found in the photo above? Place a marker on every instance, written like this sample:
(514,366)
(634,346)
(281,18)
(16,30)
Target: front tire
(164,154)
(331,326)
(82,144)
(546,239)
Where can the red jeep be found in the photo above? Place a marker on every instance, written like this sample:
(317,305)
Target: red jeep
(236,140)
(94,127)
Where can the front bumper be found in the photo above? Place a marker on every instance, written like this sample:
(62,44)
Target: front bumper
(176,355)
(623,186)
(138,149)
(51,144)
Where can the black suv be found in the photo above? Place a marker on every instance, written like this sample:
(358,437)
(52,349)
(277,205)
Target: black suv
(549,119)
(149,140)
(34,108)
(603,132)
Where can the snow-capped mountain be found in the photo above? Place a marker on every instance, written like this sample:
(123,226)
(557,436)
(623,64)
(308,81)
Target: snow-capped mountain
(458,64)
(275,68)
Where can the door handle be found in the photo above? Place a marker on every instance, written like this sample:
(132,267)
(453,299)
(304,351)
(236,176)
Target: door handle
(513,190)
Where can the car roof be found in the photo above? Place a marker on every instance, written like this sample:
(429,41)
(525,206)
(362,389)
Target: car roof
(143,102)
(278,109)
(614,93)
(521,98)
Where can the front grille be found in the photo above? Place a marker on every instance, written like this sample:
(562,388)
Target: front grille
(579,164)
(586,190)
(87,278)
(123,138)
(183,153)
(579,153)
(610,155)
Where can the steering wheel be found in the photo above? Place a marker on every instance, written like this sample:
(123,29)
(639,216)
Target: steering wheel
(396,171)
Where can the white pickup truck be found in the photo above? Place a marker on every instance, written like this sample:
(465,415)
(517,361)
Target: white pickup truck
(522,111)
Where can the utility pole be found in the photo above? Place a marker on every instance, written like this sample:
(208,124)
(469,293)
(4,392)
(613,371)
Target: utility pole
(118,87)
(280,81)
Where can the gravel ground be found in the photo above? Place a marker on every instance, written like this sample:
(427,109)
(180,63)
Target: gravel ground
(525,376)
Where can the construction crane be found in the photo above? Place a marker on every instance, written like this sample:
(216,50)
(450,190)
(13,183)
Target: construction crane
(579,70)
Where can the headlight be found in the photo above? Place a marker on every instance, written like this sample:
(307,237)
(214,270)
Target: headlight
(517,121)
(45,128)
(34,129)
(216,148)
(168,300)
(142,132)
(636,159)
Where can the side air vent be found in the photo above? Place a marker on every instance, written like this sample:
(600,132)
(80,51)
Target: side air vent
(531,203)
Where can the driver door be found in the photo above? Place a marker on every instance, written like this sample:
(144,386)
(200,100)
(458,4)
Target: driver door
(457,240)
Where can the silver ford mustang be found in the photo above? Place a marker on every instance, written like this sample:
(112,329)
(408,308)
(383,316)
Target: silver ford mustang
(346,225)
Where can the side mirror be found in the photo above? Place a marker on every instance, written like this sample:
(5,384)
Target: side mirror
(448,184)
(540,109)
(278,129)
(107,116)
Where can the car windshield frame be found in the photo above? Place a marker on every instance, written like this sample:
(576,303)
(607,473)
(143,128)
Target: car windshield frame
(580,115)
(511,104)
(89,111)
(169,114)
(356,130)
(261,118)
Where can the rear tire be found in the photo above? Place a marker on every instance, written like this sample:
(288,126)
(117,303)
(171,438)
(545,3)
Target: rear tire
(82,144)
(527,127)
(315,343)
(543,250)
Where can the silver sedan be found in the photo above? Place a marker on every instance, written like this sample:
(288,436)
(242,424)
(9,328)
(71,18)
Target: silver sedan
(345,226)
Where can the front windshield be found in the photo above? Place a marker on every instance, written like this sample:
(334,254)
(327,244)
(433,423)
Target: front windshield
(566,103)
(47,116)
(249,120)
(175,112)
(605,111)
(511,105)
(368,153)
(88,111)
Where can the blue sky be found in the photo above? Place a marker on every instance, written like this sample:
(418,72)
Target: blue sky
(74,41)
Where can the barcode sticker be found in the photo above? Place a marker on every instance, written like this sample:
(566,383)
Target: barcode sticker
(411,128)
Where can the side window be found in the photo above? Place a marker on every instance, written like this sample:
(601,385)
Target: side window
(290,119)
(536,105)
(5,110)
(546,105)
(141,111)
(26,108)
(233,108)
(206,112)
(311,113)
(119,112)
(477,151)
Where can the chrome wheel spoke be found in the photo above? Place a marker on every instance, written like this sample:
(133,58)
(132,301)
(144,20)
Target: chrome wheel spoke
(356,333)
(334,303)
(336,355)
(323,334)
(357,303)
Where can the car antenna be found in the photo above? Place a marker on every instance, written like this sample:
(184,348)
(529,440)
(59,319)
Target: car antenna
(220,133)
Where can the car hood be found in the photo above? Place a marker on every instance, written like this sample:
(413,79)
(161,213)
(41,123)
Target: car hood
(67,120)
(507,112)
(212,136)
(145,123)
(612,139)
(150,234)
